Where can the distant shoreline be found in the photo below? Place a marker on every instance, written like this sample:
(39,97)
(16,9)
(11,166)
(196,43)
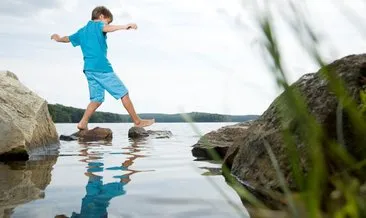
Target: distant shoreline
(65,114)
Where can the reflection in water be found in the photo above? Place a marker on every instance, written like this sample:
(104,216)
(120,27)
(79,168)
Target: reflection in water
(98,195)
(22,182)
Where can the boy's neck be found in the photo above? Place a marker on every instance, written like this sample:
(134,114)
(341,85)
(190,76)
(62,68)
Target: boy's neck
(100,20)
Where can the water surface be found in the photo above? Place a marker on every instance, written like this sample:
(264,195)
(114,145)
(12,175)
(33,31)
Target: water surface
(152,178)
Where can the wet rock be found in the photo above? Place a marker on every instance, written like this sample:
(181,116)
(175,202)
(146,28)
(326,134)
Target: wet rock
(248,158)
(96,134)
(25,123)
(69,137)
(218,142)
(140,133)
(136,133)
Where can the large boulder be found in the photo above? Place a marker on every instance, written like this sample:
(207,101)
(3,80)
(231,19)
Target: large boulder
(25,123)
(92,135)
(248,158)
(219,141)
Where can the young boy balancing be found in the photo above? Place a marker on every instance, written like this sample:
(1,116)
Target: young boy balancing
(97,69)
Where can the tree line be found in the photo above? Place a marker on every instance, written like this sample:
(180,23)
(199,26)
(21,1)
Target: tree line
(64,114)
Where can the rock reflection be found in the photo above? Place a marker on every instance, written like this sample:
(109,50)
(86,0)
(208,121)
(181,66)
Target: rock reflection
(98,193)
(22,182)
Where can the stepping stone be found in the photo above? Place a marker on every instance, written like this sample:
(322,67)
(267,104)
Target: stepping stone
(96,134)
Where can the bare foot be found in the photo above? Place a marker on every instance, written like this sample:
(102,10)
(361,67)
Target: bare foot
(145,123)
(82,126)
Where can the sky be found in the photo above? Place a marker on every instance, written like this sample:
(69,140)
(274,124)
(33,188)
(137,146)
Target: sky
(187,55)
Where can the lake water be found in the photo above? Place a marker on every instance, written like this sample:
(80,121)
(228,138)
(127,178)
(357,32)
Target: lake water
(153,178)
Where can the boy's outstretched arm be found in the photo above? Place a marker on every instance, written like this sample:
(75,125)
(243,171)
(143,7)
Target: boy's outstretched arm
(57,38)
(113,28)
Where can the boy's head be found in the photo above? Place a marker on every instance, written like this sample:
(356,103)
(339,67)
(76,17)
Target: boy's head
(102,13)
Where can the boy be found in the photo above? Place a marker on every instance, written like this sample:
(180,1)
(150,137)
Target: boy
(97,69)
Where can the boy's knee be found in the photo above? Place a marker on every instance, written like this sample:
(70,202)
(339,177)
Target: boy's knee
(124,96)
(97,100)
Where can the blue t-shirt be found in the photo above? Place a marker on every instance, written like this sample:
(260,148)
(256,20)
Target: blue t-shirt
(93,43)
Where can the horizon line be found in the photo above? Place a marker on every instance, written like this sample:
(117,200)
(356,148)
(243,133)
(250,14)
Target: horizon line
(160,113)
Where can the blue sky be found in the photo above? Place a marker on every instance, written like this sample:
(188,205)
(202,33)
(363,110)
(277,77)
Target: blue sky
(187,55)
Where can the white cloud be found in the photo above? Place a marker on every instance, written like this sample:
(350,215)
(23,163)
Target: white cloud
(24,8)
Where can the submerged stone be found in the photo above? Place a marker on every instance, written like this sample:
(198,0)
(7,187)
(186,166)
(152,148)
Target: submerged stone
(140,133)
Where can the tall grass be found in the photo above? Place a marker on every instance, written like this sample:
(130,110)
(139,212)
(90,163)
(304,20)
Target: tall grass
(319,183)
(323,191)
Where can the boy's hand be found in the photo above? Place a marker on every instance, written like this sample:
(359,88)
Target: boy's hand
(131,26)
(55,37)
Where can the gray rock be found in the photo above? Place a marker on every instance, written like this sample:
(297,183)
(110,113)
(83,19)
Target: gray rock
(140,133)
(25,123)
(218,142)
(96,134)
(136,132)
(248,158)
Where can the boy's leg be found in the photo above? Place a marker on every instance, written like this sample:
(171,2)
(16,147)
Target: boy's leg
(126,101)
(92,107)
(96,92)
(111,82)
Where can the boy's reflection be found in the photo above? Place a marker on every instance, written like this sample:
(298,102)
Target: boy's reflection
(98,195)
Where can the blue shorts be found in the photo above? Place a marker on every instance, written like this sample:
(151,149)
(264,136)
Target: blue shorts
(100,81)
